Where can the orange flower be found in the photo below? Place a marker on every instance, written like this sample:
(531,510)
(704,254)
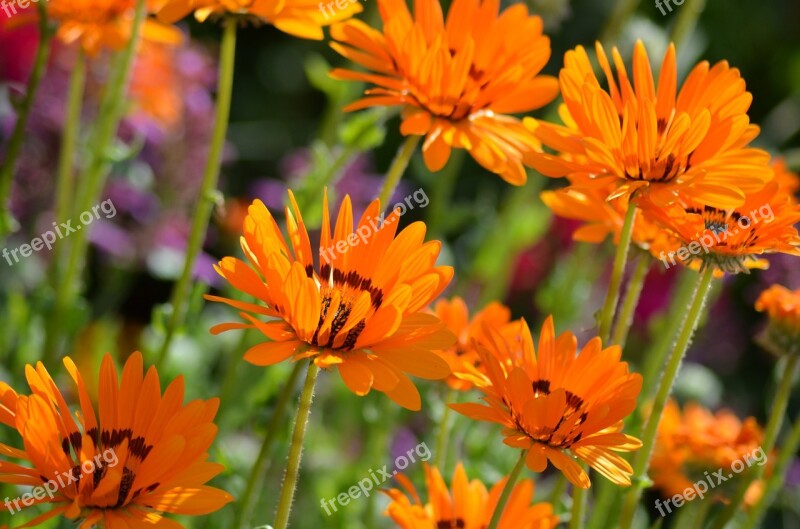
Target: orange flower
(360,313)
(463,357)
(469,507)
(145,455)
(554,403)
(301,18)
(155,85)
(653,139)
(103,24)
(782,334)
(730,240)
(456,79)
(693,444)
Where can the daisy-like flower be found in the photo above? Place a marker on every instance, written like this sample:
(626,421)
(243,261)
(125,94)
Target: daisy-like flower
(360,311)
(301,18)
(463,357)
(557,402)
(456,79)
(732,240)
(692,444)
(654,140)
(103,24)
(144,454)
(782,334)
(470,506)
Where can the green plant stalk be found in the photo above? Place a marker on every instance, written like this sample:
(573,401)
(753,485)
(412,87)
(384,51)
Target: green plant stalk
(631,299)
(558,489)
(509,486)
(642,460)
(687,20)
(786,456)
(111,110)
(440,455)
(7,222)
(701,513)
(245,511)
(620,259)
(69,140)
(398,167)
(654,357)
(606,504)
(206,202)
(773,428)
(580,498)
(296,449)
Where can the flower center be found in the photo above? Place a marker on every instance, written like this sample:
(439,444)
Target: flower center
(565,433)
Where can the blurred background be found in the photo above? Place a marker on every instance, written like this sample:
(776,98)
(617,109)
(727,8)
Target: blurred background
(287,131)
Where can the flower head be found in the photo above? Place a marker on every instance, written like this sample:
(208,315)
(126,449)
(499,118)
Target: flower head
(731,240)
(652,139)
(296,17)
(359,311)
(456,78)
(782,334)
(556,402)
(463,357)
(469,506)
(693,443)
(142,455)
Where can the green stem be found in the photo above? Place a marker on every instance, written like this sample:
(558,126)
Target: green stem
(296,449)
(662,395)
(65,198)
(632,294)
(558,489)
(245,511)
(701,513)
(620,259)
(7,222)
(579,500)
(655,356)
(779,405)
(509,486)
(440,455)
(208,187)
(786,456)
(687,20)
(92,181)
(398,167)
